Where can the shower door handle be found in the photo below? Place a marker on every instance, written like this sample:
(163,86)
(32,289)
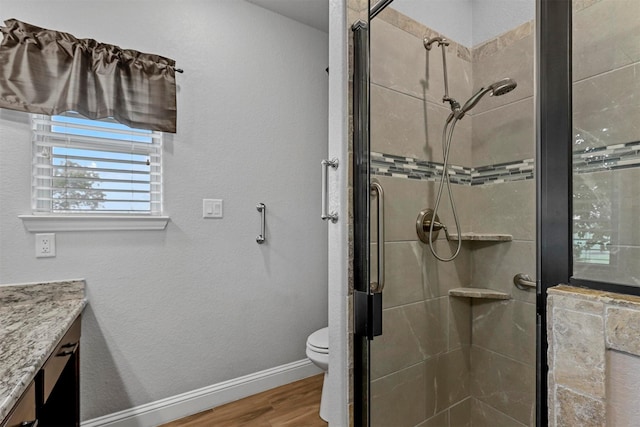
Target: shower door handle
(378,193)
(333,216)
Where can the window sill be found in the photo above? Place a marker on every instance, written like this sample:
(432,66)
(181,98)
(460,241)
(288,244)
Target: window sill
(47,223)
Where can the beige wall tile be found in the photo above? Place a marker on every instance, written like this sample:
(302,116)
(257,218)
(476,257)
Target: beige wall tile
(405,198)
(440,420)
(411,127)
(504,384)
(403,273)
(431,385)
(493,266)
(411,334)
(452,378)
(460,414)
(514,61)
(483,415)
(402,343)
(459,323)
(605,37)
(439,276)
(612,193)
(506,327)
(400,61)
(505,208)
(602,106)
(504,134)
(627,205)
(398,399)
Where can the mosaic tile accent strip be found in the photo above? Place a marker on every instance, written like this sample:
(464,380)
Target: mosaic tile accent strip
(612,157)
(406,167)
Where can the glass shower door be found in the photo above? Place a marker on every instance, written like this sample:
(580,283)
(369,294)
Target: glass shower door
(428,350)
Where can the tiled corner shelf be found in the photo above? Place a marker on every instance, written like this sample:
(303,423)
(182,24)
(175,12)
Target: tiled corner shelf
(482,293)
(482,237)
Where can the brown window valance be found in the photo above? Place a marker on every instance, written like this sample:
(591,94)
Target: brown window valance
(49,72)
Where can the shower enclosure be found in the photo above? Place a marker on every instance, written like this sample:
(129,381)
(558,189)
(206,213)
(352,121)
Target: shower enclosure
(443,343)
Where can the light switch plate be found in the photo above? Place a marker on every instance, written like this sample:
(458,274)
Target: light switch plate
(212,208)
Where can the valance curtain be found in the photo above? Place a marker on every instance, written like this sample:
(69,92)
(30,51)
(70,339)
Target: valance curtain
(49,72)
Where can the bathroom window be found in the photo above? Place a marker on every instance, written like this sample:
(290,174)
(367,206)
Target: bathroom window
(95,167)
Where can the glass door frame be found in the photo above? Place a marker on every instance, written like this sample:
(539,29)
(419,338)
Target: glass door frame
(554,175)
(364,316)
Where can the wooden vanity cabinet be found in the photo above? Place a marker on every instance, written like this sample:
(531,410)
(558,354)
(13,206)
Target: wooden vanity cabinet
(24,413)
(53,397)
(58,385)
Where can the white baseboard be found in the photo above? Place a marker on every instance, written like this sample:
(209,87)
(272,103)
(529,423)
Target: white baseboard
(192,402)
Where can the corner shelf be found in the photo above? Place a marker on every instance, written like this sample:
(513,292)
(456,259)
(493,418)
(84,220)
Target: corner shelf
(482,237)
(482,293)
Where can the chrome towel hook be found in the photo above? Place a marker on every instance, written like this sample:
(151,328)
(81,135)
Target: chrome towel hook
(263,211)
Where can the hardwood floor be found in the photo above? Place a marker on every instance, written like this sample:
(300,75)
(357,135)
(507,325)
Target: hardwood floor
(291,405)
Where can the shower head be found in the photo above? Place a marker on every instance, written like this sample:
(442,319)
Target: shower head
(496,89)
(503,86)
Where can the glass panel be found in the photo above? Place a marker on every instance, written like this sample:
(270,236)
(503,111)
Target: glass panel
(606,146)
(443,359)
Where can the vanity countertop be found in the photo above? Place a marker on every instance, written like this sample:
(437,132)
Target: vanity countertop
(33,318)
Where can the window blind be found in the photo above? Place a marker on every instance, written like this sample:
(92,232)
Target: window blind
(95,166)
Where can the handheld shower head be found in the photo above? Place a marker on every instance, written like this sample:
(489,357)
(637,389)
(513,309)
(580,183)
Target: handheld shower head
(496,89)
(503,86)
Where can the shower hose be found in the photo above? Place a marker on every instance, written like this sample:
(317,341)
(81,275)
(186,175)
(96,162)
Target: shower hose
(444,180)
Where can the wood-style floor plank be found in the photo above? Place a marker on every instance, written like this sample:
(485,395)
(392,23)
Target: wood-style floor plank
(291,405)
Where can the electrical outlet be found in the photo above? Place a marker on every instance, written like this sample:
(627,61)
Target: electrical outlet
(45,245)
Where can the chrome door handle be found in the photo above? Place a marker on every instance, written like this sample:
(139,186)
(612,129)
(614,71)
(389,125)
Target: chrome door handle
(378,192)
(263,212)
(333,216)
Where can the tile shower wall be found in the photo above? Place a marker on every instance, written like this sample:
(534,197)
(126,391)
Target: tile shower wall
(474,362)
(420,365)
(503,332)
(606,94)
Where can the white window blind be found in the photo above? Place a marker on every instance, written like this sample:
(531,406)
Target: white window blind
(95,166)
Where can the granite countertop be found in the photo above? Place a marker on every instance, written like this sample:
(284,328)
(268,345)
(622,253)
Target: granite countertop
(33,319)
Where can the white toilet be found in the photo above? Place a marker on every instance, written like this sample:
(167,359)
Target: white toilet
(318,353)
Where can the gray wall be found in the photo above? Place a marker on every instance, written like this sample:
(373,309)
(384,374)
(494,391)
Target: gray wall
(199,302)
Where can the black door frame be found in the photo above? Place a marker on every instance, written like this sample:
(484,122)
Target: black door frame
(554,173)
(363,313)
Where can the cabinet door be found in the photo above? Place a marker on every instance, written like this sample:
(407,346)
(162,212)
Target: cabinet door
(24,413)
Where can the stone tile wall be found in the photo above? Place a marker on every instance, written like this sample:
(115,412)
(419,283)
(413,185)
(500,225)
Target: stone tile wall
(586,331)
